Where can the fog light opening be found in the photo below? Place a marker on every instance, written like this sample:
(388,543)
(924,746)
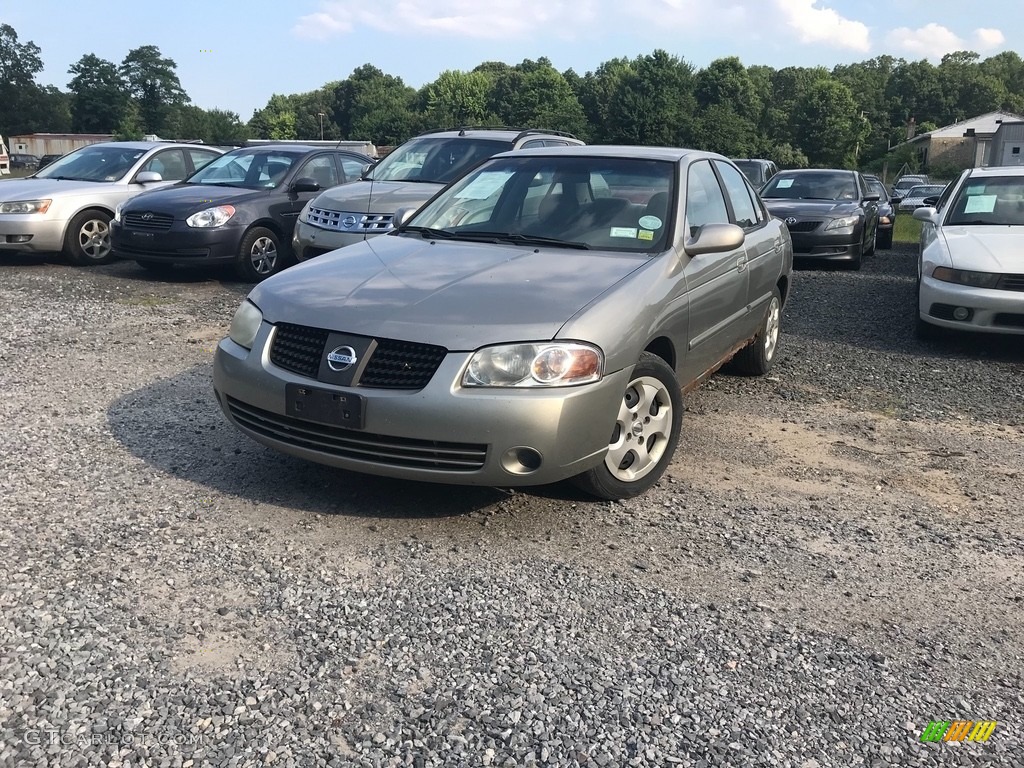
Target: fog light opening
(961,313)
(18,238)
(521,460)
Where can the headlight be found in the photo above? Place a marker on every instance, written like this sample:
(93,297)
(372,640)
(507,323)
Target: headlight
(211,217)
(245,324)
(847,222)
(26,206)
(966,277)
(534,365)
(117,211)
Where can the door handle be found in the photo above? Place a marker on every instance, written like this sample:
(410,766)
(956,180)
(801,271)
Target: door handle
(741,264)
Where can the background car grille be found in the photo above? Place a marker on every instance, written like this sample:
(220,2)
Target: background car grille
(298,349)
(159,222)
(803,226)
(392,365)
(357,445)
(361,222)
(1011,283)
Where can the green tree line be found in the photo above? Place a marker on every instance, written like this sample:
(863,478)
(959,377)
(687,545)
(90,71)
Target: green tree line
(849,116)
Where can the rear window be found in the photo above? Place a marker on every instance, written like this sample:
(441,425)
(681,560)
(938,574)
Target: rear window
(812,185)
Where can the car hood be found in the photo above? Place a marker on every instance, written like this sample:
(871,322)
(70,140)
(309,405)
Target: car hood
(188,198)
(33,189)
(376,196)
(786,207)
(457,295)
(986,248)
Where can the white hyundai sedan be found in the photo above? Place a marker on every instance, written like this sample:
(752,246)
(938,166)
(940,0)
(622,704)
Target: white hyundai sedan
(970,273)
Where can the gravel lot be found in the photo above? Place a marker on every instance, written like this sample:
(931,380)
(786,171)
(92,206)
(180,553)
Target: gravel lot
(834,560)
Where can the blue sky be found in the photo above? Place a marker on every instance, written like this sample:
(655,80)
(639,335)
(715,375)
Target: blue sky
(235,55)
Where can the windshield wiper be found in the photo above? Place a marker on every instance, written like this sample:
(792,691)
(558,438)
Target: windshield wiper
(428,232)
(513,237)
(976,222)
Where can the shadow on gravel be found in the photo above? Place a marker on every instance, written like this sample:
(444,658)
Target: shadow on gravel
(176,426)
(874,308)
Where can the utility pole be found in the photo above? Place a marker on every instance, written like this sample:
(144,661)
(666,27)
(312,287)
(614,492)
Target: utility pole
(321,116)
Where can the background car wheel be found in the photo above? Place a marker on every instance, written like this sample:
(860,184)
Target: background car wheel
(757,358)
(87,241)
(645,434)
(883,239)
(259,256)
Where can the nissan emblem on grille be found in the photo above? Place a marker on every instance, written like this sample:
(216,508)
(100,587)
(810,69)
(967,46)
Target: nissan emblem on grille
(791,221)
(341,358)
(349,222)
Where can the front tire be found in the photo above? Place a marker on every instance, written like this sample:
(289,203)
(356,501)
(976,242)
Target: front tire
(644,437)
(758,357)
(87,241)
(259,256)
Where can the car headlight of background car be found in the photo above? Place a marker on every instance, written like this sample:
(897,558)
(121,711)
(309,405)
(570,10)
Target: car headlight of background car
(966,277)
(25,206)
(211,217)
(117,212)
(844,225)
(548,364)
(245,324)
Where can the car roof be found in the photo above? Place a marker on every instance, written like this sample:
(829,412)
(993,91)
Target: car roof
(296,148)
(504,134)
(816,170)
(672,154)
(147,145)
(998,170)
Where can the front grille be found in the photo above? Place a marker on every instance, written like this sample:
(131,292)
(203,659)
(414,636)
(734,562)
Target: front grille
(803,226)
(298,349)
(349,222)
(401,365)
(353,444)
(157,222)
(392,365)
(1011,283)
(1009,319)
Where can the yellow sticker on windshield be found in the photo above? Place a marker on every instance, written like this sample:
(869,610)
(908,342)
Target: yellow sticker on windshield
(645,234)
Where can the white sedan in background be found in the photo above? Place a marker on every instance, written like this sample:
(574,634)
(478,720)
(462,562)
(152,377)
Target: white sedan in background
(67,206)
(916,196)
(971,266)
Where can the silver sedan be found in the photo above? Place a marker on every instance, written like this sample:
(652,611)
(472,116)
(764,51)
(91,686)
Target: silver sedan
(538,320)
(67,206)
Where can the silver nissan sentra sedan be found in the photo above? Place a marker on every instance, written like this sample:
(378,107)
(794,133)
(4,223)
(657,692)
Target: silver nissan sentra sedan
(537,320)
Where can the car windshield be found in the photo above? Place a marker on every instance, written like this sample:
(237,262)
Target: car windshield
(812,185)
(929,190)
(619,204)
(752,170)
(435,160)
(247,169)
(94,163)
(992,200)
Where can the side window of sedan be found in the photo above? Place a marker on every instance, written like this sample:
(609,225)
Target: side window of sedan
(705,203)
(170,164)
(739,195)
(201,158)
(321,170)
(351,169)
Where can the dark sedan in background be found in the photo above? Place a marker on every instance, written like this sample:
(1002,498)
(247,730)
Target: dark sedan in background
(831,214)
(887,211)
(240,209)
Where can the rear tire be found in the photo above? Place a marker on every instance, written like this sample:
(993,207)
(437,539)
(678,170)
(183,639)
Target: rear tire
(259,256)
(758,357)
(644,437)
(883,239)
(87,240)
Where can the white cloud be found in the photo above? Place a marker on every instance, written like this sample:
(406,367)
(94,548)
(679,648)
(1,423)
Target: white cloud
(933,40)
(494,19)
(823,25)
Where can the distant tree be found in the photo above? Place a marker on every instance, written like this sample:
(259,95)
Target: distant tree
(19,93)
(915,90)
(533,94)
(718,128)
(153,83)
(98,95)
(373,106)
(277,120)
(224,127)
(828,124)
(596,91)
(653,102)
(725,82)
(456,98)
(131,127)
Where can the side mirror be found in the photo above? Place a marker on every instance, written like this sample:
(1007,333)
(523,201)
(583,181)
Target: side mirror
(402,216)
(895,199)
(872,198)
(367,168)
(931,201)
(305,184)
(148,177)
(715,238)
(926,214)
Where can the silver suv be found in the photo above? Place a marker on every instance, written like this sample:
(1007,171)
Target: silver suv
(407,177)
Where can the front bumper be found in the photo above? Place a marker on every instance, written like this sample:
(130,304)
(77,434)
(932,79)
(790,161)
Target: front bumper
(180,244)
(990,311)
(825,247)
(309,242)
(45,235)
(441,433)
